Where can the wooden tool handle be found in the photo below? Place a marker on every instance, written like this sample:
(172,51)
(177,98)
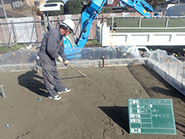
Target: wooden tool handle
(77,70)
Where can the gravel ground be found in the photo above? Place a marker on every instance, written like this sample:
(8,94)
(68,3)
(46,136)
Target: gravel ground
(96,107)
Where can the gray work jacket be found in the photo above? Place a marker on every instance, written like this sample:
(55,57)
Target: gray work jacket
(50,49)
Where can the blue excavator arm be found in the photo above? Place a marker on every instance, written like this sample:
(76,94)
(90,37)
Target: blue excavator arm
(89,13)
(73,45)
(141,6)
(87,18)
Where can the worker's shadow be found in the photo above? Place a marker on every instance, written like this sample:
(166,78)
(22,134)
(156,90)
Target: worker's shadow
(32,81)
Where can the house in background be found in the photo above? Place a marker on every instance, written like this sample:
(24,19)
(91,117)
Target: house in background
(20,8)
(27,8)
(118,7)
(172,8)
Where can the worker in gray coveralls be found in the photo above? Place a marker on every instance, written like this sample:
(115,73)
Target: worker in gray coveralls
(52,48)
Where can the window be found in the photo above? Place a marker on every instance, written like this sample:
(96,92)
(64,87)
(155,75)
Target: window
(110,1)
(36,3)
(17,4)
(50,5)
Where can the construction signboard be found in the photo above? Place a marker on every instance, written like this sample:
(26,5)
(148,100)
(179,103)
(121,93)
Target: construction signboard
(151,116)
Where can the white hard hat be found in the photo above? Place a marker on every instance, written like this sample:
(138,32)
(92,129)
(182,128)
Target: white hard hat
(68,23)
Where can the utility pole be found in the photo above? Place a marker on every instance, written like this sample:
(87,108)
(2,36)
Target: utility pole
(4,9)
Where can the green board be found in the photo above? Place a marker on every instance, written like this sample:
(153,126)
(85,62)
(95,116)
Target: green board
(151,116)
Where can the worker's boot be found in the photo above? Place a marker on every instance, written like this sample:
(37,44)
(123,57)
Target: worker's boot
(57,97)
(65,91)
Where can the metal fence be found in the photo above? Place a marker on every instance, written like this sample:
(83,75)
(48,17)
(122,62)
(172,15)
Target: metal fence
(141,24)
(32,29)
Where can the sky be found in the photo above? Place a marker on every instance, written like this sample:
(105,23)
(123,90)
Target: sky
(64,0)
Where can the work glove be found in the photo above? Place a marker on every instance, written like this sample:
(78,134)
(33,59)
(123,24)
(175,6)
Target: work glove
(60,59)
(66,63)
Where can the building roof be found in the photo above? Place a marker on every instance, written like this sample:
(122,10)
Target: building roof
(6,2)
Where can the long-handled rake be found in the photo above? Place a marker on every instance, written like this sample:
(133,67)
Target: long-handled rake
(77,70)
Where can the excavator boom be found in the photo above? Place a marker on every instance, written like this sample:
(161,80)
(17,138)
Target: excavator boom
(141,6)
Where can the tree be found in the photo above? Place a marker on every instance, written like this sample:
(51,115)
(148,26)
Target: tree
(74,6)
(153,3)
(55,13)
(106,9)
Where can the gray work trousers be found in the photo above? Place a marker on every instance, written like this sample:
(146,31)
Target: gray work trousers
(52,79)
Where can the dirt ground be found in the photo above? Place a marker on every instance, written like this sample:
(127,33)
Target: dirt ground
(96,107)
